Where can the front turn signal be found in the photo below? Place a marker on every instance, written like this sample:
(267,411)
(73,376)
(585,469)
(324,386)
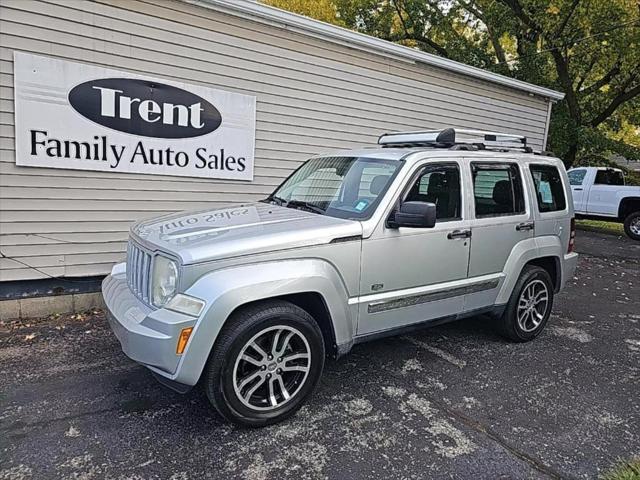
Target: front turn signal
(183,339)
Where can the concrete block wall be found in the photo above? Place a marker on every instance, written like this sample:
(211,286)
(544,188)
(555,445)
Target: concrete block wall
(39,307)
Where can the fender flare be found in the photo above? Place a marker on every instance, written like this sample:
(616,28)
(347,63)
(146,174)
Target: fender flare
(623,210)
(227,289)
(524,252)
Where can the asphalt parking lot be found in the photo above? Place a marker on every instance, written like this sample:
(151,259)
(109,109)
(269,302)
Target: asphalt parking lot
(454,401)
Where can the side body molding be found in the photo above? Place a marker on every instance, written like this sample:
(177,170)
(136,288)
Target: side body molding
(229,288)
(523,252)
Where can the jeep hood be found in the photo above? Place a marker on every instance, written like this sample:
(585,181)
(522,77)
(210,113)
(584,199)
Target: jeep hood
(241,230)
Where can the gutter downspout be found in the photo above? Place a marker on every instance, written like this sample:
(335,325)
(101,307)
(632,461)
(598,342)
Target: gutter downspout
(547,124)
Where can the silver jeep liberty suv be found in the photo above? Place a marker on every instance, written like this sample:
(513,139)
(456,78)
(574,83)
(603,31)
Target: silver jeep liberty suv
(428,227)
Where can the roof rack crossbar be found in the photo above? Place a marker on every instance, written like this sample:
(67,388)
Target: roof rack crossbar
(450,137)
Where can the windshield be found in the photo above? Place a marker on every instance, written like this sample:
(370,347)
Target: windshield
(344,187)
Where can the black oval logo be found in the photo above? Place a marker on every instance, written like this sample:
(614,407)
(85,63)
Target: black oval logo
(146,108)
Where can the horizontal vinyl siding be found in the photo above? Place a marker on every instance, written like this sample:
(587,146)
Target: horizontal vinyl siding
(312,97)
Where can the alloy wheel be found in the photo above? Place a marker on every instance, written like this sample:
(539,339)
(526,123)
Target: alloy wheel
(271,368)
(532,305)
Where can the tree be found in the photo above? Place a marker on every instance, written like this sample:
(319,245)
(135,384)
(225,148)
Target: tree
(324,10)
(594,48)
(588,49)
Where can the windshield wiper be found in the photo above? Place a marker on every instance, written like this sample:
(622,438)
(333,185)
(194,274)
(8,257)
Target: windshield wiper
(305,205)
(276,200)
(297,204)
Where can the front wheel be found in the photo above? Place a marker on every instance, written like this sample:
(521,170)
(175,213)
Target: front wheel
(266,361)
(632,226)
(529,306)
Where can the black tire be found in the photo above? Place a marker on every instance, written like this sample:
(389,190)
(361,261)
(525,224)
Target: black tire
(509,325)
(243,326)
(631,219)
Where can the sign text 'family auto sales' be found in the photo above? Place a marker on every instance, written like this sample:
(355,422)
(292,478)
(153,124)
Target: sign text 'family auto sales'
(76,116)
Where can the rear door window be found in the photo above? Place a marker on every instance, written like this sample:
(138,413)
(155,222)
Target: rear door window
(549,189)
(609,177)
(497,189)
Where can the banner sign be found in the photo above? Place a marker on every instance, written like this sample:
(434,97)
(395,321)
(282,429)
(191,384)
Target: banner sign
(71,115)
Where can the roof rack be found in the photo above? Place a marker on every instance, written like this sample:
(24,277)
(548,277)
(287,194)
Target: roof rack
(456,138)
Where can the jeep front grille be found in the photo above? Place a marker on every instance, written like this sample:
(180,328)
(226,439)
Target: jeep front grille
(138,271)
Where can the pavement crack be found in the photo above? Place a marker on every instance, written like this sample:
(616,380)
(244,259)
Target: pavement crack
(482,429)
(17,425)
(486,431)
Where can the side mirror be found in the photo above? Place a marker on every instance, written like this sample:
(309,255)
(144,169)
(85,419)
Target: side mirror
(415,215)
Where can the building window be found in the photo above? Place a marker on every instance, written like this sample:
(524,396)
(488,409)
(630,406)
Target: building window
(549,188)
(497,189)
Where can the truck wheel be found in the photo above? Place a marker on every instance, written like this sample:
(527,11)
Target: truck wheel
(529,306)
(266,361)
(632,225)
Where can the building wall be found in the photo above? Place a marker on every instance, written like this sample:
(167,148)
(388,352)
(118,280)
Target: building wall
(313,96)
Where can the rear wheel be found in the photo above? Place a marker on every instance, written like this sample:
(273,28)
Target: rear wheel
(632,225)
(529,306)
(266,361)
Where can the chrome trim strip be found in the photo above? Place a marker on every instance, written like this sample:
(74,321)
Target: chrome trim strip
(410,301)
(423,289)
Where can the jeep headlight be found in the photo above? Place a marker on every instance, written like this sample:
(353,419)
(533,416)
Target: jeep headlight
(164,280)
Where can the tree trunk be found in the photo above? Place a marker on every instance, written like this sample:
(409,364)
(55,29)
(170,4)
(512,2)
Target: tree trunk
(570,157)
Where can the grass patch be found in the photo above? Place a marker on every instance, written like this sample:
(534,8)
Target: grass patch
(624,471)
(611,228)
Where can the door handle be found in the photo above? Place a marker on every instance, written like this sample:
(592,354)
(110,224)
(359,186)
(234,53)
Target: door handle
(459,234)
(525,226)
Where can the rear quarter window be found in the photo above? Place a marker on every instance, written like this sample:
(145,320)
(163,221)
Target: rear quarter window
(549,189)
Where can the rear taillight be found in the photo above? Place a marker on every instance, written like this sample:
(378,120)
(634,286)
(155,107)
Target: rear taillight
(572,236)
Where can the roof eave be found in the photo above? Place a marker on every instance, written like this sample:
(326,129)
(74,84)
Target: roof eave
(307,26)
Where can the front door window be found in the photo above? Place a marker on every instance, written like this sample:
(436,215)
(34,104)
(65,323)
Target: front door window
(576,176)
(440,185)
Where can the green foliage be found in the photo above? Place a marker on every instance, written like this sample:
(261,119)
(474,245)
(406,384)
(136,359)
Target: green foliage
(588,49)
(612,228)
(598,141)
(323,10)
(624,471)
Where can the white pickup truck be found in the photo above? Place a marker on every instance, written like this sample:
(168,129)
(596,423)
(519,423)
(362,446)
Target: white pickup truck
(601,193)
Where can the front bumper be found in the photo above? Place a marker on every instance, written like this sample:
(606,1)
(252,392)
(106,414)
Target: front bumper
(147,336)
